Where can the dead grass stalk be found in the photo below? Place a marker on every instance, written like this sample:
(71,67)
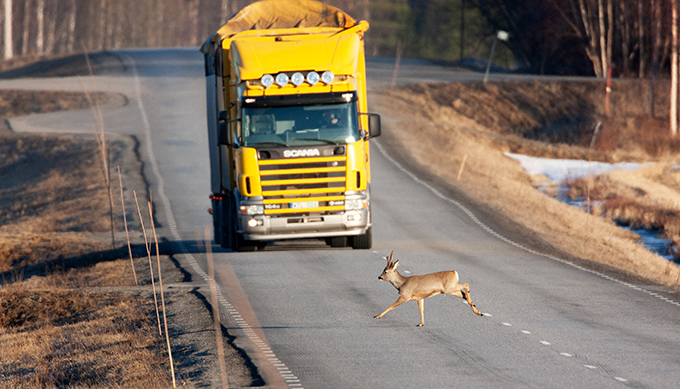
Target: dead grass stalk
(160,284)
(100,135)
(127,233)
(148,253)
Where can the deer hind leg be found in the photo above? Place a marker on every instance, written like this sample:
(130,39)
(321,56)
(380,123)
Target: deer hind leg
(421,304)
(397,303)
(466,295)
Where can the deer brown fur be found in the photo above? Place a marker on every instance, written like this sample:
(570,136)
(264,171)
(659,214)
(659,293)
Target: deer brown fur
(421,287)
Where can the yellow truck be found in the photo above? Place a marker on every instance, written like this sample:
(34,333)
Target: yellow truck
(288,126)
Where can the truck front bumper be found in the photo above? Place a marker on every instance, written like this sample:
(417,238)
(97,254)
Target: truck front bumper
(312,226)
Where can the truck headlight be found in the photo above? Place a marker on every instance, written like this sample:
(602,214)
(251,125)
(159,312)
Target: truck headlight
(355,204)
(256,209)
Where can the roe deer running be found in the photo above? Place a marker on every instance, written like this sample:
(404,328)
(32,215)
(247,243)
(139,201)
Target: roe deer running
(421,287)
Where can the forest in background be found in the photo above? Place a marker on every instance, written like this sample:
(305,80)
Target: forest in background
(573,37)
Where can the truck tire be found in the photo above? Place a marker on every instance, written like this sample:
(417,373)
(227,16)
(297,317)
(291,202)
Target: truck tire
(338,241)
(243,245)
(230,237)
(364,241)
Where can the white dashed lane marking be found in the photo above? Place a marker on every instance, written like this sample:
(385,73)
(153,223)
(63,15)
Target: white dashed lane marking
(474,218)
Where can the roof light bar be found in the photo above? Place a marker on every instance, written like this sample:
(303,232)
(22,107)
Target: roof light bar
(267,80)
(297,79)
(327,77)
(313,78)
(281,79)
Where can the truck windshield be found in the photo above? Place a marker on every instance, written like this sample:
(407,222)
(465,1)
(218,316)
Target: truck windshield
(300,125)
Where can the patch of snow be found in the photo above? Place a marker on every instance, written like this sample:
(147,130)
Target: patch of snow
(558,170)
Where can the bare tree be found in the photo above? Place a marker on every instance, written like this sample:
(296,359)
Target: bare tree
(51,27)
(641,39)
(624,23)
(72,27)
(26,27)
(674,69)
(603,38)
(9,45)
(40,17)
(656,10)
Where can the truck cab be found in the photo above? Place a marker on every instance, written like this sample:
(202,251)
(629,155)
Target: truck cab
(288,127)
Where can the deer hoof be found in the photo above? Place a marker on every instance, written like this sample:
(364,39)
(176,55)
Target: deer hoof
(420,325)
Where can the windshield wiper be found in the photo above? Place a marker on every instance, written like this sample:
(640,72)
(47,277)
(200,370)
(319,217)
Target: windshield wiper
(270,143)
(330,142)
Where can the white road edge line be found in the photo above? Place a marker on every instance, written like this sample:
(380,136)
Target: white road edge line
(168,210)
(509,241)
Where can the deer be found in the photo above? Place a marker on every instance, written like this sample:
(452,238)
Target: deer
(421,287)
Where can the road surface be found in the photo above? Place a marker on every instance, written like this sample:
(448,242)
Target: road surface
(304,312)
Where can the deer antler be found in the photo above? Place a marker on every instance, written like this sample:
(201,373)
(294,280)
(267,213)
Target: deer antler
(389,259)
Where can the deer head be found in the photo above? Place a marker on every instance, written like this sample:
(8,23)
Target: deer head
(390,270)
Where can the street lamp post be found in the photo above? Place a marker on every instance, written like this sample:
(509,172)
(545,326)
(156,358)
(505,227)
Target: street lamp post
(502,35)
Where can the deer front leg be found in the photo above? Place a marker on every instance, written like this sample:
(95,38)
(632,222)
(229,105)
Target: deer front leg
(421,303)
(397,303)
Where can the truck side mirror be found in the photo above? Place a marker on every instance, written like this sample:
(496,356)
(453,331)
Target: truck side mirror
(223,133)
(226,136)
(223,116)
(373,125)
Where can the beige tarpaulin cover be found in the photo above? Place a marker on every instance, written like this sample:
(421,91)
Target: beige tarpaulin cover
(274,14)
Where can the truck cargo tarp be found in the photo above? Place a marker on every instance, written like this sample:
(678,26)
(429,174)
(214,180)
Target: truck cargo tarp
(277,14)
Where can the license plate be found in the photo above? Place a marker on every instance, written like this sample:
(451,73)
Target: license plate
(305,204)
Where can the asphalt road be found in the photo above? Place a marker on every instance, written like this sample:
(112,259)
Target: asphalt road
(304,312)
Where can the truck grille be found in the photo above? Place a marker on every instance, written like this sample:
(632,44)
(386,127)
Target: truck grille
(303,186)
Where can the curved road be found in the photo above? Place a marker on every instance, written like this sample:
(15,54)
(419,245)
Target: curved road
(304,312)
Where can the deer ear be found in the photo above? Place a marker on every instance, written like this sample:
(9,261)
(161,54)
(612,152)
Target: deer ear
(394,266)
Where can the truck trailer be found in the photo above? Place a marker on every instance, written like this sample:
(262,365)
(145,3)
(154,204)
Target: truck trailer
(288,126)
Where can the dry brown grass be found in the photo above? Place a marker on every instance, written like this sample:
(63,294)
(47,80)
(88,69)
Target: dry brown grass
(437,125)
(647,198)
(72,338)
(25,102)
(57,329)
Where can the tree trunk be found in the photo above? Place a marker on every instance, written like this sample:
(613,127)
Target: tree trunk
(72,27)
(603,36)
(610,33)
(674,69)
(40,16)
(9,44)
(656,24)
(50,42)
(641,39)
(624,22)
(102,24)
(590,36)
(26,27)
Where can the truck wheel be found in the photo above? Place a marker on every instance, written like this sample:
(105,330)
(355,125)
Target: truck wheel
(338,241)
(243,245)
(363,242)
